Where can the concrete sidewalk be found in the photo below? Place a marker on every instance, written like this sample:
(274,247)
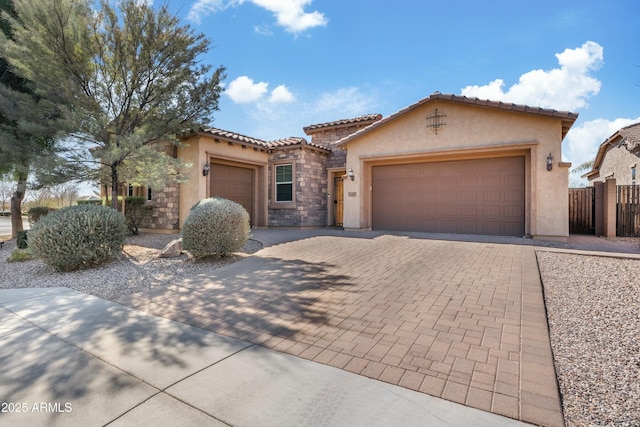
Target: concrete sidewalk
(73,359)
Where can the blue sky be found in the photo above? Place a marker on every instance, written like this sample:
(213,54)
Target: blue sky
(291,63)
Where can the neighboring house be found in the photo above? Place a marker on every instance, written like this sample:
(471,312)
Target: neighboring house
(447,164)
(618,158)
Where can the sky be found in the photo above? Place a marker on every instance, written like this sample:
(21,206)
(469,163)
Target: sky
(292,63)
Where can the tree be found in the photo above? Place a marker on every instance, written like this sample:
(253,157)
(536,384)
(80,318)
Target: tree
(64,193)
(129,74)
(28,124)
(6,189)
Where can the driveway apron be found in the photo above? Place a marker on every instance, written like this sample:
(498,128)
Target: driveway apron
(464,321)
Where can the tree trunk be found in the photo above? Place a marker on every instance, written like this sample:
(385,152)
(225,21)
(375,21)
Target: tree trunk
(16,204)
(114,185)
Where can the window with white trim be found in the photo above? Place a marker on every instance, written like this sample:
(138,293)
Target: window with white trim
(284,183)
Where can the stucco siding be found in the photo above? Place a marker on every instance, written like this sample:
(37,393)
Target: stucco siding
(617,163)
(468,132)
(199,150)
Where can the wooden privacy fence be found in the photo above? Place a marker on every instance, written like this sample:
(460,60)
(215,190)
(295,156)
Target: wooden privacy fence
(628,211)
(582,210)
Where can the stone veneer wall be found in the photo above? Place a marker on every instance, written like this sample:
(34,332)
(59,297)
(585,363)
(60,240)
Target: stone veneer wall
(165,213)
(328,137)
(310,207)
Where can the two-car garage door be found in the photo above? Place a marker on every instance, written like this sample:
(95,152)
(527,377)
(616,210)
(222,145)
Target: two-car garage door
(481,196)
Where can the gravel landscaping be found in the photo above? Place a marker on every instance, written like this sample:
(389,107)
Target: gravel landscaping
(593,308)
(137,269)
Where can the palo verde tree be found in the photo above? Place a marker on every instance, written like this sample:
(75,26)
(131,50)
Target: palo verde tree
(128,72)
(29,126)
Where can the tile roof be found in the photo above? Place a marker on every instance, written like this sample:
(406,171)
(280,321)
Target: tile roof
(631,134)
(568,118)
(267,145)
(293,141)
(628,136)
(234,136)
(344,122)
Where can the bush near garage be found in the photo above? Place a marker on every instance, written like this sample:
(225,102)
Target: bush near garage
(78,237)
(215,227)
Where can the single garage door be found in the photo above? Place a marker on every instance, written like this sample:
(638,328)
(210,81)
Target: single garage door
(484,196)
(232,183)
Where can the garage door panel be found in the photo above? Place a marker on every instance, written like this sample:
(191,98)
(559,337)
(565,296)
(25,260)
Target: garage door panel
(484,196)
(233,183)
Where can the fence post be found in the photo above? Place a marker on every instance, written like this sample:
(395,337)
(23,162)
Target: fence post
(599,213)
(609,208)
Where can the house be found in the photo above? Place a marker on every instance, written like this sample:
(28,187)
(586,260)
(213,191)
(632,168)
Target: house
(447,164)
(617,158)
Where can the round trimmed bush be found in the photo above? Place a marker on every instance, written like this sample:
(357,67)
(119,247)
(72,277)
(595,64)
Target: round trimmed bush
(215,227)
(38,212)
(78,237)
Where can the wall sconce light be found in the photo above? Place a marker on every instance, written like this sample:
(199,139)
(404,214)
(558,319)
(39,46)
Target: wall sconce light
(549,162)
(350,174)
(205,169)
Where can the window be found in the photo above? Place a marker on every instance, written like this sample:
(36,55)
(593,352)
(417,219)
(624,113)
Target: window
(284,183)
(633,175)
(149,194)
(130,192)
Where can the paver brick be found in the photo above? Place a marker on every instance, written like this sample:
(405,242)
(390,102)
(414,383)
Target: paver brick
(475,335)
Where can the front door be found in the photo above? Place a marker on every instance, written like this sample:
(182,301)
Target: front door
(338,201)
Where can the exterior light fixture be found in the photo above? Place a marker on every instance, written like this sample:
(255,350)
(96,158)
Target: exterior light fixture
(549,162)
(205,169)
(351,175)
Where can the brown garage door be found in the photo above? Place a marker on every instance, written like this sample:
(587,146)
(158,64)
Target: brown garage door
(233,183)
(484,196)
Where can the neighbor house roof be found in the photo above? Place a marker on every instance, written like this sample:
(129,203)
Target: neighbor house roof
(342,123)
(567,117)
(628,136)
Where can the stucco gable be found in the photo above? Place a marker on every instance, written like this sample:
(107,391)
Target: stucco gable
(567,118)
(628,136)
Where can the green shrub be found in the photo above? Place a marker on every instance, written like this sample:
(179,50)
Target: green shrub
(78,237)
(97,202)
(21,239)
(38,212)
(215,227)
(19,255)
(134,212)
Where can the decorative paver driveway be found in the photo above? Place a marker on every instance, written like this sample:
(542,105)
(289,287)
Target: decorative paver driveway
(463,321)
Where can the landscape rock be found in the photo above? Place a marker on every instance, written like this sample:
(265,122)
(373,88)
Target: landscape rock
(172,249)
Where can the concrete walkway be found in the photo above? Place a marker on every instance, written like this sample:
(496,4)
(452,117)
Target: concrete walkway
(460,320)
(71,359)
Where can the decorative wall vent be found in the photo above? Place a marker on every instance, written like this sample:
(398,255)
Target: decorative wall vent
(435,121)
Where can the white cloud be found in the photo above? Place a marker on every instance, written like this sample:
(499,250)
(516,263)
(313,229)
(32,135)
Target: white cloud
(243,90)
(270,120)
(289,14)
(565,88)
(350,101)
(202,8)
(281,95)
